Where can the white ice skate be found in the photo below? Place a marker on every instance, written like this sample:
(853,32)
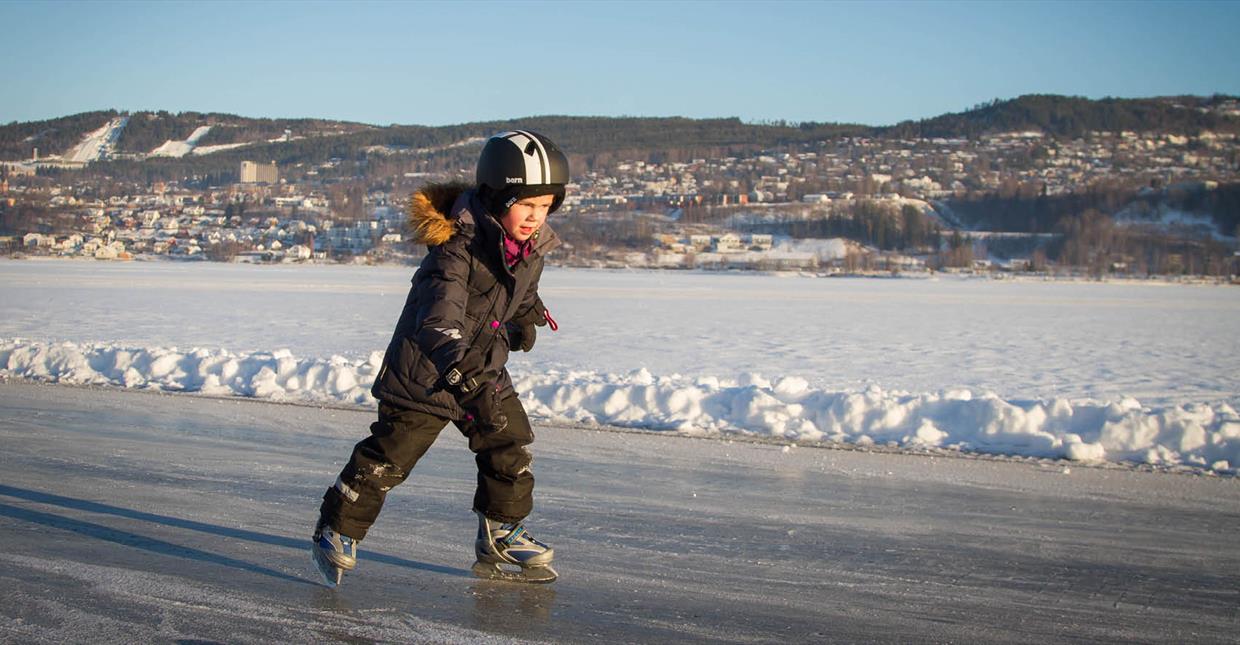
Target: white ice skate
(509,552)
(333,554)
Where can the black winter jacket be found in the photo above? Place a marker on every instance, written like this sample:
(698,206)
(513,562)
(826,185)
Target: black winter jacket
(463,298)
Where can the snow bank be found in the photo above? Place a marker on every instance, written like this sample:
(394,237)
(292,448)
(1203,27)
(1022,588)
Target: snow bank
(1194,435)
(266,375)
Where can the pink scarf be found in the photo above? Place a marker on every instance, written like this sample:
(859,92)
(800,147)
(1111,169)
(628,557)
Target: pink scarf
(515,251)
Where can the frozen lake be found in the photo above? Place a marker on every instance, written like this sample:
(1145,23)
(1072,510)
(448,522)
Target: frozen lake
(151,516)
(1161,344)
(1144,373)
(144,517)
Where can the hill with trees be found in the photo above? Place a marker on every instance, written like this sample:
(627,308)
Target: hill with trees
(594,142)
(53,136)
(1073,116)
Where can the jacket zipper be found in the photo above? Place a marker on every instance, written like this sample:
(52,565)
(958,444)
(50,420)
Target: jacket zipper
(484,324)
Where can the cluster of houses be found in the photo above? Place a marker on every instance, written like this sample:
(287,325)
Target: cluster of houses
(728,251)
(188,224)
(924,169)
(197,240)
(270,219)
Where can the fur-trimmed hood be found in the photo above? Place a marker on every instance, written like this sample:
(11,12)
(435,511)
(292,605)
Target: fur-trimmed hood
(429,210)
(433,222)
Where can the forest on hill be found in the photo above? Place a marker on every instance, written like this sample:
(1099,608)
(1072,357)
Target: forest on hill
(595,142)
(148,130)
(51,136)
(1074,116)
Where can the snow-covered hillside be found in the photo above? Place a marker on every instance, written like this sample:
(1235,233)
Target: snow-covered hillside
(1116,372)
(181,148)
(96,144)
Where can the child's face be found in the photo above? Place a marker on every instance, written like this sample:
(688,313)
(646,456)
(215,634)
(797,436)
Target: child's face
(526,216)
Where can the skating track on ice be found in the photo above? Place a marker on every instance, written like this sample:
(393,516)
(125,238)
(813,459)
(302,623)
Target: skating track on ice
(142,517)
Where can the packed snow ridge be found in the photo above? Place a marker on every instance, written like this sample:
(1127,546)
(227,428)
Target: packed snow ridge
(1199,436)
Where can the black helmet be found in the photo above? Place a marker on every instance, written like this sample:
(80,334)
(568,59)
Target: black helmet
(519,164)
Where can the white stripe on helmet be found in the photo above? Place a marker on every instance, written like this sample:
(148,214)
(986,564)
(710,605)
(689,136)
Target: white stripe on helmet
(538,166)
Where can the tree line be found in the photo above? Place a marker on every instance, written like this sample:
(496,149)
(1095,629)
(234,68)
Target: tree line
(592,142)
(1094,242)
(1025,208)
(51,136)
(1073,116)
(885,226)
(149,130)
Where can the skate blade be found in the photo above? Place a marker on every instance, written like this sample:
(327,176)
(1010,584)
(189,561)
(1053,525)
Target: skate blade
(331,573)
(533,575)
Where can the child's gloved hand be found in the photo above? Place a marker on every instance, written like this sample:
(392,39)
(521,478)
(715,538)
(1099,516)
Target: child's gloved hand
(466,375)
(521,337)
(475,396)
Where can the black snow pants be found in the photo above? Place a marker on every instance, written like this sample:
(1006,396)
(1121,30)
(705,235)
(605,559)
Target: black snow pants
(400,437)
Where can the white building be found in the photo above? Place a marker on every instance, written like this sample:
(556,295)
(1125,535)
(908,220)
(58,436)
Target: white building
(259,173)
(37,240)
(761,241)
(109,251)
(358,238)
(728,243)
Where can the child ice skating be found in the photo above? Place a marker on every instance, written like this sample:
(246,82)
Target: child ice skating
(474,298)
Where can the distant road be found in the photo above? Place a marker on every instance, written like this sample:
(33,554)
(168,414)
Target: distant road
(131,516)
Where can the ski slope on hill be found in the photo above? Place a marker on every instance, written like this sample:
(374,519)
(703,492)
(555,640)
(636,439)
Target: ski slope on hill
(96,144)
(147,517)
(172,148)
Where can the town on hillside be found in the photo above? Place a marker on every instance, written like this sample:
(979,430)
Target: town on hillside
(1125,202)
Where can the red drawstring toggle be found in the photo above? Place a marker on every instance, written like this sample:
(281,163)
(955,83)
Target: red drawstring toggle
(551,321)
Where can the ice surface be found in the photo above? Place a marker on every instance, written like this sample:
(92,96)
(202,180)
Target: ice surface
(134,516)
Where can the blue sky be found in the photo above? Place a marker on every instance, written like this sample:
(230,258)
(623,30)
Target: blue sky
(441,63)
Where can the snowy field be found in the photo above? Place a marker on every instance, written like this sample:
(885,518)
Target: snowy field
(1120,372)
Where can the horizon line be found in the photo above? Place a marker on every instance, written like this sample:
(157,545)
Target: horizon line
(753,121)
